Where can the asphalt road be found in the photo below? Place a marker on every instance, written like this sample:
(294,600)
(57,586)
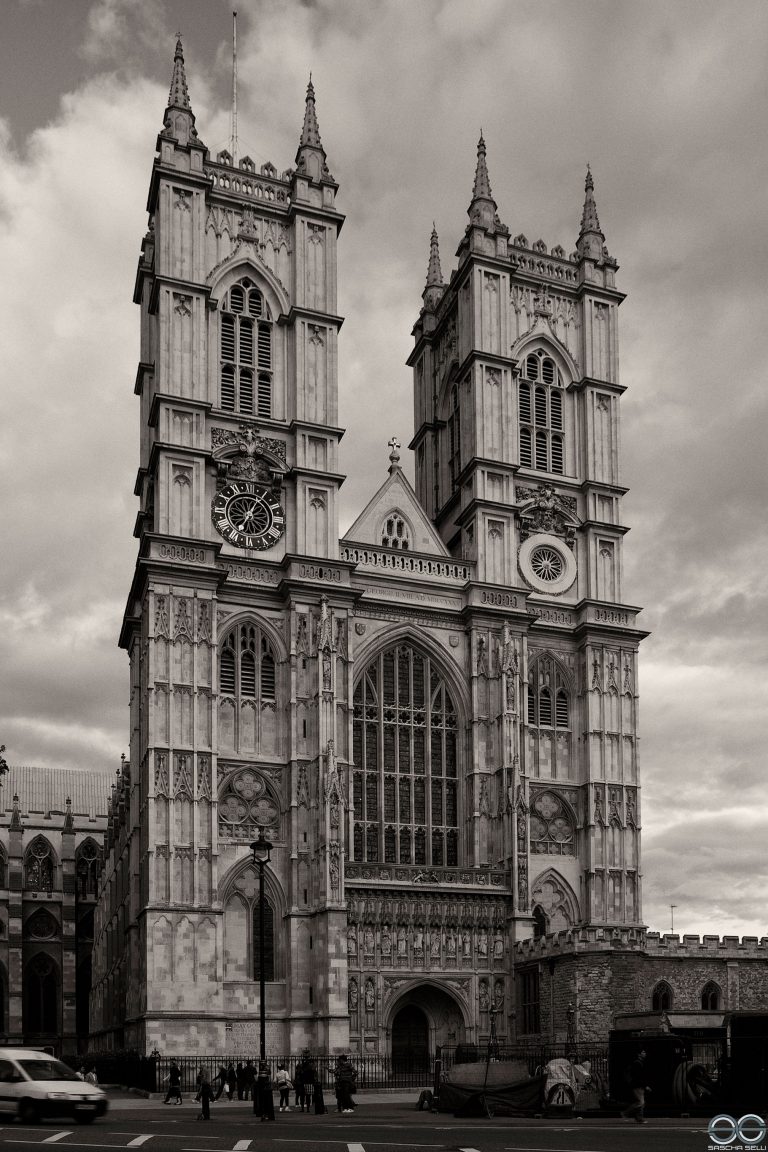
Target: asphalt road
(381,1124)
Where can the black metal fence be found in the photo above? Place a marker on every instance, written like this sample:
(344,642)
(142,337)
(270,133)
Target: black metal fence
(150,1073)
(591,1058)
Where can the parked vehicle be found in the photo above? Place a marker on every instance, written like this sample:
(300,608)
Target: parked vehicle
(34,1085)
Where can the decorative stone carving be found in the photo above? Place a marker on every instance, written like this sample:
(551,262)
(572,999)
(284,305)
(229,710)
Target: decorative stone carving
(353,994)
(542,509)
(162,625)
(370,995)
(161,774)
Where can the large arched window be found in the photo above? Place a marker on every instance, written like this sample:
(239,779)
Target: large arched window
(405,762)
(39,866)
(41,996)
(87,870)
(247,686)
(241,929)
(246,355)
(661,999)
(541,404)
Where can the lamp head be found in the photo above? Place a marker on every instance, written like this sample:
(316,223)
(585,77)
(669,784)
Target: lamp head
(261,849)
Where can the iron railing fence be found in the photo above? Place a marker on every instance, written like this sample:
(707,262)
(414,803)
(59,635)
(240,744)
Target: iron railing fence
(151,1073)
(536,1057)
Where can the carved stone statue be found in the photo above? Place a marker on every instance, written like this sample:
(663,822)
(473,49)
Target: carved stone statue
(482,943)
(434,944)
(485,1000)
(466,944)
(498,946)
(370,996)
(353,995)
(450,943)
(386,941)
(368,941)
(351,941)
(402,942)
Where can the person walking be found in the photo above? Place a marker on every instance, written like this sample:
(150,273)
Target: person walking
(346,1082)
(240,1079)
(174,1084)
(204,1092)
(263,1105)
(304,1079)
(221,1079)
(231,1080)
(637,1075)
(317,1093)
(283,1082)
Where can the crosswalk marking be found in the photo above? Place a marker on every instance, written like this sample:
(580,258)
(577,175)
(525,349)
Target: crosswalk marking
(241,1145)
(468,1150)
(355,1148)
(55,1138)
(138,1140)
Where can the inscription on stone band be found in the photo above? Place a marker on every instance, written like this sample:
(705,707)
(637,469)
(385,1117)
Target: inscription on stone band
(180,552)
(251,574)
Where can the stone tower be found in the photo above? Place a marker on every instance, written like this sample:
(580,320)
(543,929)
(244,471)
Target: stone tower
(516,385)
(236,653)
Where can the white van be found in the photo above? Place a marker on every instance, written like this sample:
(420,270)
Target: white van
(34,1085)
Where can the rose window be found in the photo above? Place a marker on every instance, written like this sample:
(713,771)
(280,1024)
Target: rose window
(547,564)
(551,826)
(245,806)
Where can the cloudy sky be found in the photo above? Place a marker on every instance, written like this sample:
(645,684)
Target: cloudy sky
(667,101)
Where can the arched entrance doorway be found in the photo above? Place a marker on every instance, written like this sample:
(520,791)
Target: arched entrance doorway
(410,1040)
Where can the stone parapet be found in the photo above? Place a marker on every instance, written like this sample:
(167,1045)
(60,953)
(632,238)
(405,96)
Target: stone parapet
(640,940)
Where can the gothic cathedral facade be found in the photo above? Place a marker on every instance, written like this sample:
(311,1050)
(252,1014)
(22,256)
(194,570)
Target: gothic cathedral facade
(433,718)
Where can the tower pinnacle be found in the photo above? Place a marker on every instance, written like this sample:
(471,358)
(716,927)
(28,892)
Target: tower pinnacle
(482,210)
(591,238)
(482,186)
(179,119)
(433,289)
(178,97)
(310,158)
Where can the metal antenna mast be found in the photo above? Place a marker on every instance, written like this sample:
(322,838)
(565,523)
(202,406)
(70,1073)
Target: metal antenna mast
(233,141)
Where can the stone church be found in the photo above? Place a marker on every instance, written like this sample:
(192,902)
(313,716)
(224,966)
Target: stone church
(434,717)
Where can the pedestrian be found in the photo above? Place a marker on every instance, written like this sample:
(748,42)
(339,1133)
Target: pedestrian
(240,1079)
(91,1076)
(174,1084)
(204,1093)
(283,1082)
(231,1080)
(346,1082)
(249,1075)
(636,1076)
(263,1104)
(221,1079)
(304,1080)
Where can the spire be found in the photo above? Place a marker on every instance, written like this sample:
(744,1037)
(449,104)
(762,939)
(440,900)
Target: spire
(482,210)
(591,238)
(178,97)
(179,119)
(310,158)
(482,187)
(433,289)
(310,133)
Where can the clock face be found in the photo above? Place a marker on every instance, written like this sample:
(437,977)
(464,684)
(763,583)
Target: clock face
(248,515)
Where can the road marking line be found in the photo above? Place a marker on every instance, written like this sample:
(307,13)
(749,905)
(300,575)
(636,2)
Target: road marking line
(55,1138)
(355,1148)
(241,1145)
(469,1150)
(137,1140)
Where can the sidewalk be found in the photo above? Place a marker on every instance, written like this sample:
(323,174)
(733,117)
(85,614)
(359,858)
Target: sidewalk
(123,1098)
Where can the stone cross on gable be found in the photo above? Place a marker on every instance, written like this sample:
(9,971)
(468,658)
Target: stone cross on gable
(394,455)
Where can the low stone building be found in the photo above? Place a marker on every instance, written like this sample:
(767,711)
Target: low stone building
(52,825)
(570,985)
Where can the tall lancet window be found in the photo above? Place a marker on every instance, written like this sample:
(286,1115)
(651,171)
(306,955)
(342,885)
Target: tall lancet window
(405,775)
(246,354)
(542,428)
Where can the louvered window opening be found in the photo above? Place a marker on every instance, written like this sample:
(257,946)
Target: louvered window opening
(540,405)
(269,941)
(549,703)
(246,362)
(247,665)
(454,438)
(395,533)
(405,774)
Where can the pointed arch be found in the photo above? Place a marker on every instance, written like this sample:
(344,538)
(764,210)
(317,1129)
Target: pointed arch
(534,339)
(662,998)
(553,894)
(242,263)
(40,866)
(87,867)
(405,995)
(395,530)
(408,756)
(240,898)
(711,997)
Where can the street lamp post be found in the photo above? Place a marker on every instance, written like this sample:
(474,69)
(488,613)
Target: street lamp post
(260,850)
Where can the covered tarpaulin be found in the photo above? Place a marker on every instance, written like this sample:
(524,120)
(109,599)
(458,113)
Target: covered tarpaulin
(504,1088)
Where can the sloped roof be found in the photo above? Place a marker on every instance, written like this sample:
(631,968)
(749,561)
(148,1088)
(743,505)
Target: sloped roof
(46,790)
(396,495)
